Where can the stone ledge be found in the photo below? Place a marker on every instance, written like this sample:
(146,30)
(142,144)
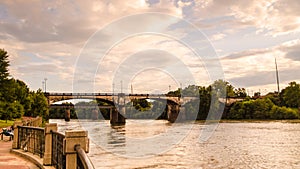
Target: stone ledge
(32,158)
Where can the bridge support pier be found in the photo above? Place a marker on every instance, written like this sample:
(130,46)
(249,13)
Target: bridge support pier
(95,114)
(67,114)
(116,118)
(173,111)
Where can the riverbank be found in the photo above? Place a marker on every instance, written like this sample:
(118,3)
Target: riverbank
(259,121)
(248,121)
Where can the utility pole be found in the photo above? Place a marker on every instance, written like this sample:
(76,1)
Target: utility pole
(45,79)
(43,86)
(277,77)
(121,86)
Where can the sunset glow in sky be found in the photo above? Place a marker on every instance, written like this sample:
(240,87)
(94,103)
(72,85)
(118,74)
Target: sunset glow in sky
(46,38)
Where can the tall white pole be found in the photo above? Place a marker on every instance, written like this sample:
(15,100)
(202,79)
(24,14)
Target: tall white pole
(121,86)
(45,84)
(277,76)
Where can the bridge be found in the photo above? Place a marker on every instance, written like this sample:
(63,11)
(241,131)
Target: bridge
(116,103)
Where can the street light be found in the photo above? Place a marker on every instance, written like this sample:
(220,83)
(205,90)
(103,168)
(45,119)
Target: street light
(43,86)
(121,86)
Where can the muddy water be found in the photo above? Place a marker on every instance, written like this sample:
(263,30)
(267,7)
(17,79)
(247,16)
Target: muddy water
(232,145)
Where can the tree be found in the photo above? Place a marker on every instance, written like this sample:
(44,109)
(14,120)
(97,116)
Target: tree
(4,74)
(39,106)
(291,95)
(4,63)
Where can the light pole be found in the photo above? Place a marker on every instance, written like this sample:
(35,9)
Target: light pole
(43,85)
(45,79)
(113,88)
(121,86)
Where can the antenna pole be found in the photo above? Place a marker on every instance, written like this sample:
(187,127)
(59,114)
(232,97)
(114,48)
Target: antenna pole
(277,77)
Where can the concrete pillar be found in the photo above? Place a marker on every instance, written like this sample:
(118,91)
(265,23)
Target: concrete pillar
(173,111)
(16,134)
(95,114)
(113,116)
(67,114)
(73,138)
(116,118)
(48,143)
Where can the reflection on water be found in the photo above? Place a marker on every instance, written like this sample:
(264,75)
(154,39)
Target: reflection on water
(233,145)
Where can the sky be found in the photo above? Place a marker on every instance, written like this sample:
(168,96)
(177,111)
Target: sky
(151,46)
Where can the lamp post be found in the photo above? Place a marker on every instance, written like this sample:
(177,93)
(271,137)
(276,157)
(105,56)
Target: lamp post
(121,86)
(43,86)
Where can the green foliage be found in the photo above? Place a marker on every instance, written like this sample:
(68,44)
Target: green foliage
(15,98)
(284,113)
(251,109)
(6,123)
(291,95)
(39,105)
(144,109)
(4,64)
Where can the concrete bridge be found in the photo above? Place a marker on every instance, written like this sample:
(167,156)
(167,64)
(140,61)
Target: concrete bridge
(116,103)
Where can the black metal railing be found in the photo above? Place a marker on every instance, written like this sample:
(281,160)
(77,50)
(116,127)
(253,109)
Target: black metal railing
(58,157)
(32,139)
(83,162)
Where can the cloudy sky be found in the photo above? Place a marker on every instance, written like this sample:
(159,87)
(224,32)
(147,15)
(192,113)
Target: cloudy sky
(151,45)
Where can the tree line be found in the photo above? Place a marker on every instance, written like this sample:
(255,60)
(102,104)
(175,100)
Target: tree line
(283,105)
(16,100)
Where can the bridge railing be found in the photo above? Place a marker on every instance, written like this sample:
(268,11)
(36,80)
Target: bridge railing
(55,149)
(105,94)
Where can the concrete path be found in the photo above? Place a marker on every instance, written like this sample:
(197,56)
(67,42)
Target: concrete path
(11,161)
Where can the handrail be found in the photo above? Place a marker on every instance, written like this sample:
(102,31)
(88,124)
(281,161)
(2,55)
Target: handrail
(31,139)
(85,161)
(32,127)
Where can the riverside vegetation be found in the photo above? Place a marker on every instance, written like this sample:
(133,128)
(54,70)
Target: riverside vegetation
(16,100)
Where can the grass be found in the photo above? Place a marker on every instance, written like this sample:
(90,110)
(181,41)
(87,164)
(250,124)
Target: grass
(3,123)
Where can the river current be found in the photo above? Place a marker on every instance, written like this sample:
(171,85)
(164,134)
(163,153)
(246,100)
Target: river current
(145,144)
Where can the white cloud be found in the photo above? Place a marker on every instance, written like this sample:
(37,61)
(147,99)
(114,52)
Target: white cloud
(275,17)
(45,37)
(256,67)
(217,36)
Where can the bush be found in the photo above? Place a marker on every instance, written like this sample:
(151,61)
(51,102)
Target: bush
(283,113)
(251,109)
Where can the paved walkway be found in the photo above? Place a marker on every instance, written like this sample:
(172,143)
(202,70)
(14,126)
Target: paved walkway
(12,161)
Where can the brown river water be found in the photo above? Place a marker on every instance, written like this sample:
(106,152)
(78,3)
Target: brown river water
(145,144)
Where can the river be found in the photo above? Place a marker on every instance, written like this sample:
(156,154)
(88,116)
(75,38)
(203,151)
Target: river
(145,144)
